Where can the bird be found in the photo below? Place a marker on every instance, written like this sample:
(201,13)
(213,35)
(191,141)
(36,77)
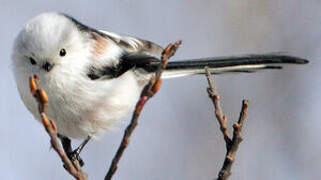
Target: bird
(94,78)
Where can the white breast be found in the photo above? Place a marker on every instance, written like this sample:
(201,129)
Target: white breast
(86,107)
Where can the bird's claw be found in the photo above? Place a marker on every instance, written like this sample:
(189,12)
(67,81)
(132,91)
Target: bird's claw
(74,155)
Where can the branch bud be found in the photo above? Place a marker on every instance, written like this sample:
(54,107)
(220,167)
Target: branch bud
(33,85)
(43,96)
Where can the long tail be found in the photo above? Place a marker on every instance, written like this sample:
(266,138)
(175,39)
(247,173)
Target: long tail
(249,63)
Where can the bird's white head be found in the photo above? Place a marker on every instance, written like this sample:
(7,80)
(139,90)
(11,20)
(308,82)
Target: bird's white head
(45,42)
(66,55)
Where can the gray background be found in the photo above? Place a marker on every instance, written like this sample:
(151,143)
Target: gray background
(177,137)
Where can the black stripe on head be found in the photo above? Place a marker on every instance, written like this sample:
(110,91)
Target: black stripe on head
(84,28)
(80,26)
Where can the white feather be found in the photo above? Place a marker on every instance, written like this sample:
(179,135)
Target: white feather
(133,42)
(186,72)
(78,105)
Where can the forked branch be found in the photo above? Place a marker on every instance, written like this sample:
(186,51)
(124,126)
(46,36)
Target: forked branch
(149,91)
(231,144)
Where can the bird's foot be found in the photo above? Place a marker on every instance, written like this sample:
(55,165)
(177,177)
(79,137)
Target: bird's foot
(74,155)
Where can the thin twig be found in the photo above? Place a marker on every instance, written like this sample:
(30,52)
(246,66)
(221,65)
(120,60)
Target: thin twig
(215,97)
(40,95)
(149,91)
(231,144)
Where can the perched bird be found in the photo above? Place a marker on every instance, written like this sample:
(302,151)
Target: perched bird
(94,78)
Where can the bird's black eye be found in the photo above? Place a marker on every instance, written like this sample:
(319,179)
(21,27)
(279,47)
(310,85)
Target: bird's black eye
(32,61)
(62,52)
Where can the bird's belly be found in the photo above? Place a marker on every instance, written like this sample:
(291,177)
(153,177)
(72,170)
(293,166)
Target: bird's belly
(92,120)
(93,107)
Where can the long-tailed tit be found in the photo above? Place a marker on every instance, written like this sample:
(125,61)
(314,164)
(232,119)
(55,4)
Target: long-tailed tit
(94,78)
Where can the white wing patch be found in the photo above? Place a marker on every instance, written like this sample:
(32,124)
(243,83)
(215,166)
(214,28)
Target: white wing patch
(131,41)
(135,45)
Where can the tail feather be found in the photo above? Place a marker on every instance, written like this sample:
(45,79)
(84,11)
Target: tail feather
(250,63)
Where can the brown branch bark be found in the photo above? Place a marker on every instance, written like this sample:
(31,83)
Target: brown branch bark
(231,144)
(215,97)
(40,95)
(149,91)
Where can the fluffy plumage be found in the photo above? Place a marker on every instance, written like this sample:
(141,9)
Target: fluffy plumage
(98,80)
(78,105)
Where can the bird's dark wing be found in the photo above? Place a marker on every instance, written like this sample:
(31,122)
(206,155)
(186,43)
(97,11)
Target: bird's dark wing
(127,62)
(217,65)
(136,52)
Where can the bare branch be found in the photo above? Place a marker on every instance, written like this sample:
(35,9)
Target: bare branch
(231,144)
(215,97)
(149,91)
(40,95)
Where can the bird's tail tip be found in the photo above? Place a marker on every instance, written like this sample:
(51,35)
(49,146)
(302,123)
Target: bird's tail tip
(295,60)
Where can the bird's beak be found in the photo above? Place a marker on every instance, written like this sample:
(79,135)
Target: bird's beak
(47,66)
